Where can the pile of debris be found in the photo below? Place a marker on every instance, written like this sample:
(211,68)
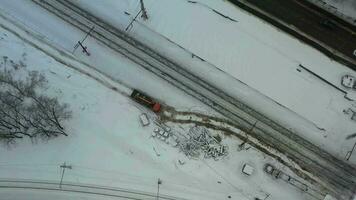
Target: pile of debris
(198,141)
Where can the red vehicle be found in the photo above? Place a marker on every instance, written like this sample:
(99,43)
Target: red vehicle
(145,100)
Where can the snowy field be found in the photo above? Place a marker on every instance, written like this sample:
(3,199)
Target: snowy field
(258,60)
(249,52)
(107,145)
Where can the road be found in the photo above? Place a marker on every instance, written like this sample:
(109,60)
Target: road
(86,189)
(302,20)
(337,176)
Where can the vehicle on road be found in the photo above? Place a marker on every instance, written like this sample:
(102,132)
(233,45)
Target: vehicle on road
(145,100)
(328,24)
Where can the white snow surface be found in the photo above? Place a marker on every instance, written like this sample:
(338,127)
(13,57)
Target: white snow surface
(107,145)
(261,62)
(18,194)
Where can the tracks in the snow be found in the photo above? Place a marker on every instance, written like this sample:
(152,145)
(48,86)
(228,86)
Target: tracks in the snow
(119,193)
(339,176)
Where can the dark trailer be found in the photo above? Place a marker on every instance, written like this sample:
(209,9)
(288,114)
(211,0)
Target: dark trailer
(145,100)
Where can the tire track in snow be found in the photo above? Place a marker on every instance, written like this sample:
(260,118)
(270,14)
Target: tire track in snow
(338,176)
(89,189)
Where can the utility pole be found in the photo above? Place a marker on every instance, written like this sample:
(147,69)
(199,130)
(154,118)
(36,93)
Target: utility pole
(84,48)
(349,153)
(143,15)
(63,167)
(158,183)
(130,24)
(143,9)
(80,43)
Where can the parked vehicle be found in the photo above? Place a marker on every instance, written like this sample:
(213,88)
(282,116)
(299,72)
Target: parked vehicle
(348,81)
(247,169)
(144,119)
(284,176)
(329,197)
(269,168)
(276,173)
(298,184)
(145,100)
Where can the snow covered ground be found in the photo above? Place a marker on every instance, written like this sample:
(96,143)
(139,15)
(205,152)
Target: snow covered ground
(249,52)
(107,145)
(15,194)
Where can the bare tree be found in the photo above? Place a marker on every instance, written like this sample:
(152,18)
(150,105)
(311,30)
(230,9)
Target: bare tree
(24,111)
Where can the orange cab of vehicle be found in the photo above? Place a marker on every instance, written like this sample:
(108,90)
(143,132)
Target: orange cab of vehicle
(156,107)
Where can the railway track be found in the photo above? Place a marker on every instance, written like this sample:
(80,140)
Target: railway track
(89,189)
(338,176)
